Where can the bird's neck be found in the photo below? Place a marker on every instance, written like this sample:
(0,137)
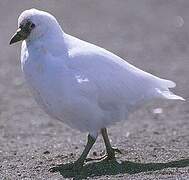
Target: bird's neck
(55,44)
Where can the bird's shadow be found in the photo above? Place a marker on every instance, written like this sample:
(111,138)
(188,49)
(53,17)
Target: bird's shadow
(114,167)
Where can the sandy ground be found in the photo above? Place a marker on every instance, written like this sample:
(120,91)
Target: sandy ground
(151,34)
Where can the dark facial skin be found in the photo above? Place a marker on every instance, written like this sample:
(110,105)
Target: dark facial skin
(23,32)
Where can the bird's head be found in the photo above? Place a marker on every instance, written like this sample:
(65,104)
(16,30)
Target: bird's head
(33,24)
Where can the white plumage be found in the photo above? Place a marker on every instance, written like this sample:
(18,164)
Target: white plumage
(81,84)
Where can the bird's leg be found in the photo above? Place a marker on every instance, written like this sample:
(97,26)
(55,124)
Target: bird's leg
(110,150)
(78,164)
(91,140)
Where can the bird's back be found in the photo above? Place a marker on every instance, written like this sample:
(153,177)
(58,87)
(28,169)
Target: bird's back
(108,70)
(114,85)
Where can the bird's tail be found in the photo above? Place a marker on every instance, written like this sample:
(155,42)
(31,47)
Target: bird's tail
(164,92)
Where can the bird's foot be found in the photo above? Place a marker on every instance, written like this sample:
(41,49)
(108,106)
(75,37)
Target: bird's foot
(116,150)
(111,153)
(109,156)
(96,159)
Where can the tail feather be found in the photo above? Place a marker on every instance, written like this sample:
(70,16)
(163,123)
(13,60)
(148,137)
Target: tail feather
(169,95)
(168,83)
(165,92)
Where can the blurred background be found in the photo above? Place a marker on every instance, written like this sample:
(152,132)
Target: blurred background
(151,34)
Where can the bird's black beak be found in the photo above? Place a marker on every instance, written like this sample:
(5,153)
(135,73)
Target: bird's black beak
(19,36)
(23,32)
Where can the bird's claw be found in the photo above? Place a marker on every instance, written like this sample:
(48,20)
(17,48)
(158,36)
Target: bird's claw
(111,153)
(108,156)
(96,159)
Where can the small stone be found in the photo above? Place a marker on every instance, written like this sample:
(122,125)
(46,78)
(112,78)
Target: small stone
(46,152)
(154,155)
(94,153)
(158,111)
(156,132)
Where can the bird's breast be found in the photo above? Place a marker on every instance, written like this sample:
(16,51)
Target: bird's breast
(50,83)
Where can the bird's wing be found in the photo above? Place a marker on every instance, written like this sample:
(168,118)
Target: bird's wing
(113,80)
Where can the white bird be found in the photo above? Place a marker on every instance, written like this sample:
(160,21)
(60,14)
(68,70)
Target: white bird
(80,84)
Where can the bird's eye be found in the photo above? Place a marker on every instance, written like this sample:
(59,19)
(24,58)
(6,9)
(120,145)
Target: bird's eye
(32,25)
